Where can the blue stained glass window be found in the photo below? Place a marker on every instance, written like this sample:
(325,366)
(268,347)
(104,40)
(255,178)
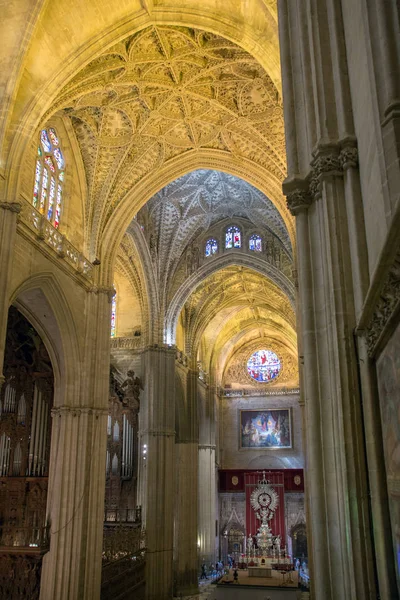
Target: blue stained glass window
(211,247)
(50,166)
(233,238)
(44,139)
(59,158)
(255,243)
(264,366)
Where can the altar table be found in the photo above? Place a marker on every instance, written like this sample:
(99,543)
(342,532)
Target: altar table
(260,572)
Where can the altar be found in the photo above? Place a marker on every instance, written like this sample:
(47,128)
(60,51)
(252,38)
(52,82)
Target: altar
(263,571)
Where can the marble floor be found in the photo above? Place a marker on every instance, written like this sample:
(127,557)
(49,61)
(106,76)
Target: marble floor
(210,591)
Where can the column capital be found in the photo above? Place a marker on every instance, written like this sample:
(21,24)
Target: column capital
(14,207)
(109,291)
(297,194)
(162,348)
(324,165)
(348,155)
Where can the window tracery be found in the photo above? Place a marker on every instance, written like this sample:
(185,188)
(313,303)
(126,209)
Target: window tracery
(233,237)
(49,177)
(211,247)
(264,366)
(255,243)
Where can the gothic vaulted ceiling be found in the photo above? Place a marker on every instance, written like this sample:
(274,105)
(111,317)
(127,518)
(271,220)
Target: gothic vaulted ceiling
(236,309)
(163,92)
(191,205)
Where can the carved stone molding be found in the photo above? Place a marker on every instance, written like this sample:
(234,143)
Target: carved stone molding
(386,308)
(348,157)
(14,207)
(236,371)
(227,393)
(158,432)
(126,343)
(163,348)
(298,201)
(329,160)
(64,411)
(109,291)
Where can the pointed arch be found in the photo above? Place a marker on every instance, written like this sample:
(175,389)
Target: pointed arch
(255,263)
(42,301)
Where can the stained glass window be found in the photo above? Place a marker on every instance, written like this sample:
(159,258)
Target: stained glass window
(255,243)
(211,247)
(114,316)
(233,238)
(49,177)
(264,366)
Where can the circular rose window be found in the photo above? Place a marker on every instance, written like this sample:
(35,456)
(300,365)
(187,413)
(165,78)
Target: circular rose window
(264,366)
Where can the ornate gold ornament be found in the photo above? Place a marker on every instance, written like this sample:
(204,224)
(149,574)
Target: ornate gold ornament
(264,500)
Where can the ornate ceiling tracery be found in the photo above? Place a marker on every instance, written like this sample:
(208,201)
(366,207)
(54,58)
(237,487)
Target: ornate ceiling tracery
(234,307)
(188,207)
(160,93)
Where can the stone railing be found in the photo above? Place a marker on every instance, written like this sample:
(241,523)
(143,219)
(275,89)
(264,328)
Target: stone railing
(229,393)
(126,343)
(126,515)
(15,538)
(55,240)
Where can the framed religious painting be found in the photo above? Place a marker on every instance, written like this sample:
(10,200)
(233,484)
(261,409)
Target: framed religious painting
(265,428)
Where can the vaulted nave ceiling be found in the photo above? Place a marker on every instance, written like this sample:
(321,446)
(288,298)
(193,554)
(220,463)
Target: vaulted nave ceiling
(165,92)
(235,312)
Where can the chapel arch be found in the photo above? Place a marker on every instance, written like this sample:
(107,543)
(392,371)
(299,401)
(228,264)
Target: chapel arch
(26,404)
(42,301)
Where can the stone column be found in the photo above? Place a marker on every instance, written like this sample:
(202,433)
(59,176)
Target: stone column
(318,113)
(314,490)
(336,474)
(8,227)
(186,564)
(207,480)
(157,466)
(72,568)
(370,405)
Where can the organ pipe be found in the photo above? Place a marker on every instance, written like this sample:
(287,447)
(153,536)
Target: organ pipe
(32,439)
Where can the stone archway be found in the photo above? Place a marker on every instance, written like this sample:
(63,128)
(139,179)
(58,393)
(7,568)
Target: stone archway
(298,534)
(26,402)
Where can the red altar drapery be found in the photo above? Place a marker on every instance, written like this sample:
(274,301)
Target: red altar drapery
(277,523)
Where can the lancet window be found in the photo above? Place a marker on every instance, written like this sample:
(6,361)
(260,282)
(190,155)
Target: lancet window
(255,243)
(233,237)
(114,315)
(211,247)
(49,177)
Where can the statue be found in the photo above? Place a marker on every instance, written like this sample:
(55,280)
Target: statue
(133,386)
(249,543)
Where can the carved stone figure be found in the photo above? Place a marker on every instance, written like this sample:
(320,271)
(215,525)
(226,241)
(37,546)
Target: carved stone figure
(132,385)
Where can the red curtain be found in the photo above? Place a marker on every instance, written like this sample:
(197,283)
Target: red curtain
(277,523)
